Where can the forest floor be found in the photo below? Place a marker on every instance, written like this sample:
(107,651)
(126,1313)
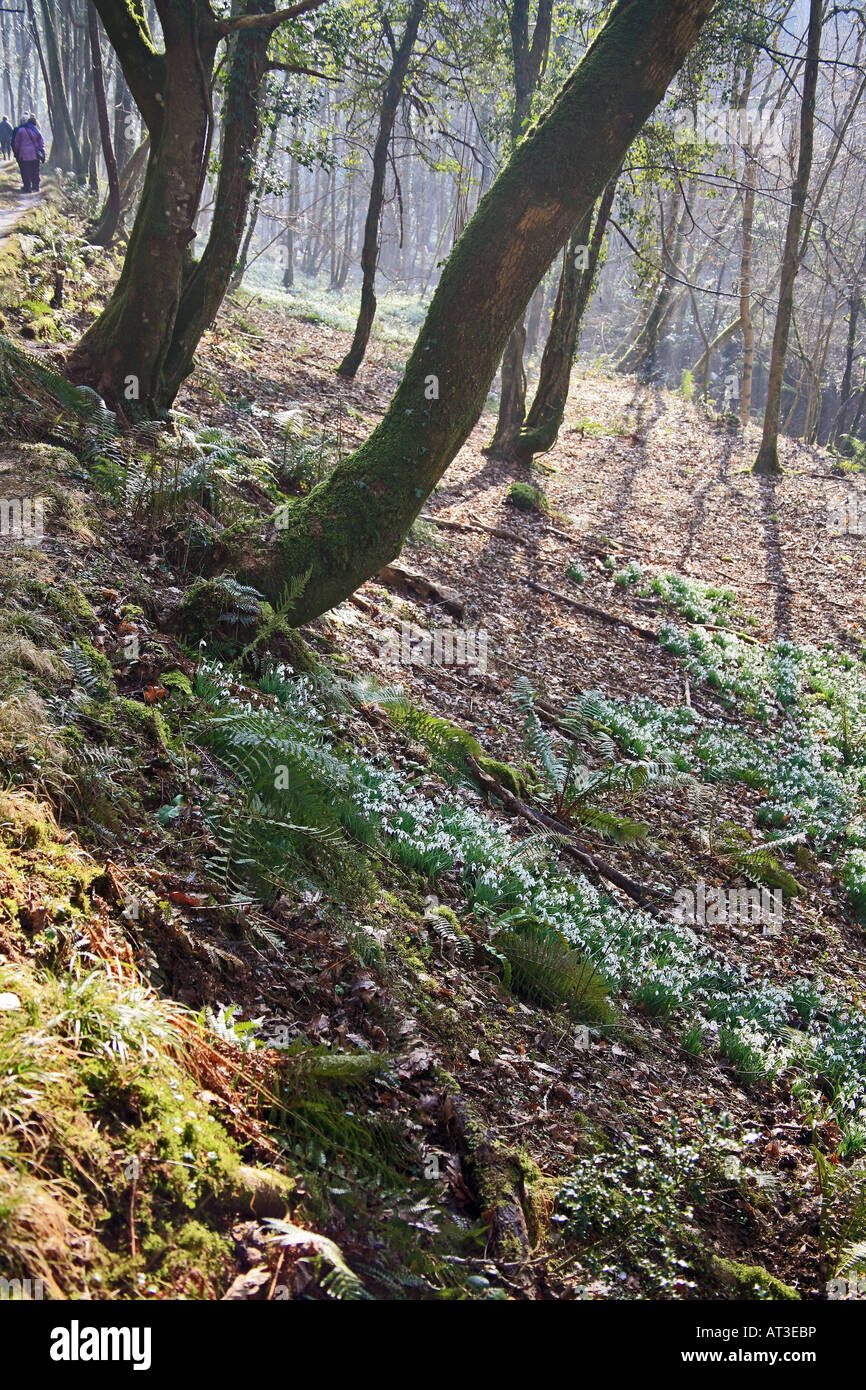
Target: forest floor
(447,1113)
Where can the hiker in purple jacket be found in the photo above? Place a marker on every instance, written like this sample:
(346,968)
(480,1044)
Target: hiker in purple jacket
(28,148)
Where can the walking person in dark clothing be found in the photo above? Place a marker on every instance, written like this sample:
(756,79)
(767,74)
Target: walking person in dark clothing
(5,139)
(29,150)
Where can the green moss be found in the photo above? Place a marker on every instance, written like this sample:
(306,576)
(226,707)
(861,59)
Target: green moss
(516,780)
(147,720)
(70,604)
(177,680)
(526,498)
(752,1281)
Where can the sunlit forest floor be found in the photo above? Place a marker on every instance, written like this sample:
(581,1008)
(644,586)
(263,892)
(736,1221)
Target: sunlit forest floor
(486,1074)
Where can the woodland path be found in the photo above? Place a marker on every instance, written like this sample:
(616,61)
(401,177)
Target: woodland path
(14,204)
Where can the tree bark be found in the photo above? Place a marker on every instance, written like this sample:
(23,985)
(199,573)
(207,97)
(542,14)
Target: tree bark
(746,289)
(355,522)
(529,60)
(855,308)
(107,225)
(767,461)
(59,101)
(641,356)
(391,98)
(541,430)
(140,349)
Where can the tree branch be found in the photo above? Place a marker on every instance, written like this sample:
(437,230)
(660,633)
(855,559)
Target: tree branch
(267,21)
(299,68)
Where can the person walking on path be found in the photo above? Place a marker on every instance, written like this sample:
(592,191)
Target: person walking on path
(29,150)
(5,139)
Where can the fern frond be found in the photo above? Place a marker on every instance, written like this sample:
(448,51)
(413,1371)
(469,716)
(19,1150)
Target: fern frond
(546,970)
(618,830)
(340,1281)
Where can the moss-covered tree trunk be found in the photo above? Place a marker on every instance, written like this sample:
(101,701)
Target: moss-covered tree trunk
(355,522)
(392,95)
(767,461)
(544,417)
(206,281)
(123,354)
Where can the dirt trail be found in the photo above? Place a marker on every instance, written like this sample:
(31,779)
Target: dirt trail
(14,204)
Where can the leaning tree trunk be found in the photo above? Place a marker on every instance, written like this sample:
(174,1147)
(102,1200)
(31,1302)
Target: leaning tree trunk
(107,224)
(354,522)
(767,461)
(391,98)
(545,415)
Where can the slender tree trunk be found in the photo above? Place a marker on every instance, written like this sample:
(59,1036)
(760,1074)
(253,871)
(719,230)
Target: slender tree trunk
(107,225)
(294,205)
(541,430)
(124,118)
(767,461)
(642,355)
(7,79)
(391,98)
(59,100)
(59,155)
(357,519)
(855,308)
(240,270)
(746,289)
(533,320)
(529,60)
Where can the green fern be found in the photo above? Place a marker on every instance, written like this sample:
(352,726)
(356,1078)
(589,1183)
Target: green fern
(282,813)
(546,970)
(571,787)
(617,830)
(276,620)
(83,673)
(759,864)
(339,1281)
(449,746)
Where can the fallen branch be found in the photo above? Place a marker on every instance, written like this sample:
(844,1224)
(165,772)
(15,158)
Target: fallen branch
(581,853)
(450,525)
(600,614)
(416,585)
(495,1179)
